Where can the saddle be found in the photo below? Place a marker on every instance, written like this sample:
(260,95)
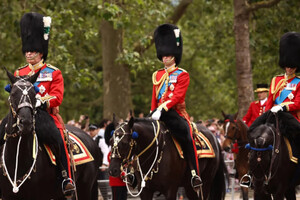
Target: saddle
(203,145)
(81,154)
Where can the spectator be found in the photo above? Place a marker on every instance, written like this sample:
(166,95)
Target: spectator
(103,174)
(84,122)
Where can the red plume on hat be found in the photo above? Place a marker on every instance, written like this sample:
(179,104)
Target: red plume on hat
(289,50)
(168,42)
(35,33)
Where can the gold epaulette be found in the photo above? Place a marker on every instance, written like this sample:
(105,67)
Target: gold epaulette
(52,67)
(18,70)
(182,69)
(256,102)
(154,81)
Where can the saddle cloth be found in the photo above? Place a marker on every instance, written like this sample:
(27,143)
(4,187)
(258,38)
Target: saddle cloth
(291,149)
(203,145)
(81,154)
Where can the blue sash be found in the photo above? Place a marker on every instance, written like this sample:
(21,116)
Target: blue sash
(172,79)
(43,74)
(284,94)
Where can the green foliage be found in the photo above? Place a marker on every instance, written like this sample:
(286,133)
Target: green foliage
(208,56)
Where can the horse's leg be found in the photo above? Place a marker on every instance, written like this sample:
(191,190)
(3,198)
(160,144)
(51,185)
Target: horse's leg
(259,192)
(261,196)
(172,193)
(244,193)
(146,194)
(290,194)
(190,193)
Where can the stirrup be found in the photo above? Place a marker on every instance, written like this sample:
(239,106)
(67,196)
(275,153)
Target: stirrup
(196,182)
(246,183)
(68,188)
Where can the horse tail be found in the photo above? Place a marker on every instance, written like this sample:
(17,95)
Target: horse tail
(218,189)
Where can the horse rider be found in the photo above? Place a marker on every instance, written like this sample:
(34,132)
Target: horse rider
(257,108)
(35,30)
(284,93)
(170,85)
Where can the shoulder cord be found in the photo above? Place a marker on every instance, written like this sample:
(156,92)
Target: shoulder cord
(160,82)
(279,86)
(144,178)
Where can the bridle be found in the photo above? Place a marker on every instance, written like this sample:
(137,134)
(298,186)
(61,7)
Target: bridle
(271,149)
(128,160)
(227,124)
(24,102)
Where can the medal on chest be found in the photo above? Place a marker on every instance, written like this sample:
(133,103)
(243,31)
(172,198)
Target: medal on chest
(44,76)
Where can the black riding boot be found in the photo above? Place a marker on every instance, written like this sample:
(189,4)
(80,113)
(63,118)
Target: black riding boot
(191,158)
(68,185)
(49,134)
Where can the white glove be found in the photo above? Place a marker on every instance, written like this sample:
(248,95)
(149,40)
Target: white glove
(156,115)
(38,103)
(277,108)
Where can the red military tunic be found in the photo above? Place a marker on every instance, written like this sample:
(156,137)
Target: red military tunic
(254,111)
(50,83)
(169,90)
(292,102)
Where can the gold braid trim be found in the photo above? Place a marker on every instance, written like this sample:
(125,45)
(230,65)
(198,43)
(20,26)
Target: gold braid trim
(281,84)
(164,106)
(160,82)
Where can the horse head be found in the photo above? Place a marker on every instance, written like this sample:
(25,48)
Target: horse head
(123,142)
(231,130)
(261,141)
(22,104)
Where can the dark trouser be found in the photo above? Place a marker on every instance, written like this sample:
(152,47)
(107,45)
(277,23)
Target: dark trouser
(119,192)
(180,129)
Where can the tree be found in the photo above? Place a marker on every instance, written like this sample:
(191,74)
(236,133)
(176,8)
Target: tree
(242,12)
(116,75)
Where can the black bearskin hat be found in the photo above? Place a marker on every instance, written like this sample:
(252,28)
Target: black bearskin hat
(262,87)
(289,50)
(35,33)
(168,42)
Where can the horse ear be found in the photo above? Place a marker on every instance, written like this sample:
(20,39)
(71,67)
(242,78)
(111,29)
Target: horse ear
(224,115)
(32,79)
(131,122)
(114,121)
(235,115)
(131,113)
(11,77)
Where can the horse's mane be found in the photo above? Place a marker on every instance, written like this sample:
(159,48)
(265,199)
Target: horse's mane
(263,128)
(143,119)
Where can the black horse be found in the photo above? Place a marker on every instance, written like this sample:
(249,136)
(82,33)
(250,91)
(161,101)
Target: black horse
(146,148)
(273,170)
(27,171)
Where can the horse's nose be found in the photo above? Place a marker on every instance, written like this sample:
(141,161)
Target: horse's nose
(114,172)
(226,148)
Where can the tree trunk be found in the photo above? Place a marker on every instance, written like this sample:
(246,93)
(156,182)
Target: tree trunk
(242,53)
(116,76)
